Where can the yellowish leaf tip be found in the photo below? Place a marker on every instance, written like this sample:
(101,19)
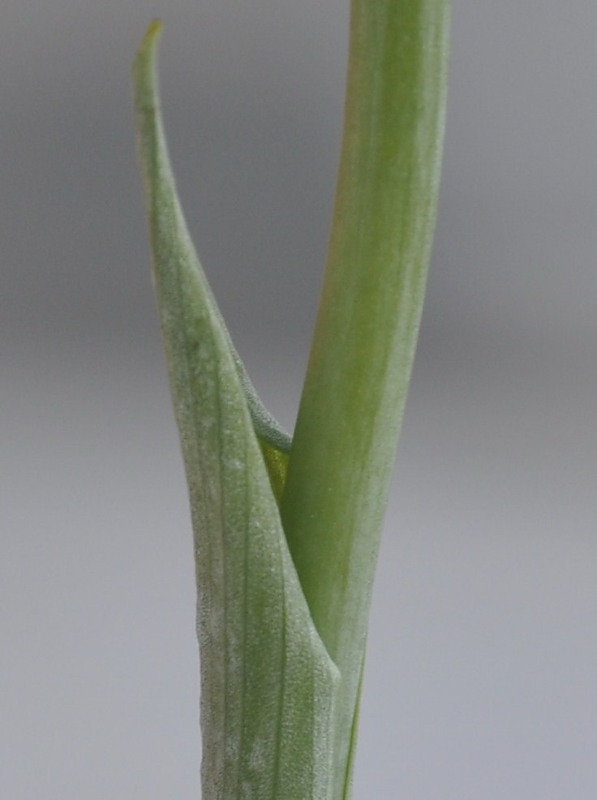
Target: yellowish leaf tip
(148,45)
(152,33)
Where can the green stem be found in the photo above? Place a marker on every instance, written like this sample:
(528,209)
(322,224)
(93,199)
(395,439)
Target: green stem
(367,325)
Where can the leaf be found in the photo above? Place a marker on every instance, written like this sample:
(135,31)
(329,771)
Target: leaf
(267,682)
(363,348)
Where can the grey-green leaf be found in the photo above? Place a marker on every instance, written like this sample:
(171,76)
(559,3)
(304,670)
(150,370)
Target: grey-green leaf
(268,684)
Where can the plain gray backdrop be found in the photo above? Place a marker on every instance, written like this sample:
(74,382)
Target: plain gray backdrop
(481,680)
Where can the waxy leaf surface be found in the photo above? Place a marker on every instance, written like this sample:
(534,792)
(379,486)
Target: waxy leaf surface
(268,684)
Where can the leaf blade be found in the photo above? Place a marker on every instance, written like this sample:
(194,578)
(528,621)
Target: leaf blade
(367,325)
(268,683)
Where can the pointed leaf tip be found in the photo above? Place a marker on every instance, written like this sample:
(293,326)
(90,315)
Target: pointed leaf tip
(144,65)
(152,34)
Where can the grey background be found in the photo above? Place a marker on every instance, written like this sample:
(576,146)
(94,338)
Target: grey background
(482,679)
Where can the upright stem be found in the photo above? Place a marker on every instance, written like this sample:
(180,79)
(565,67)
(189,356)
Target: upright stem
(367,324)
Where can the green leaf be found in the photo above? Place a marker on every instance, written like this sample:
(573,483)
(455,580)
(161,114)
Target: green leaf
(363,348)
(267,682)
